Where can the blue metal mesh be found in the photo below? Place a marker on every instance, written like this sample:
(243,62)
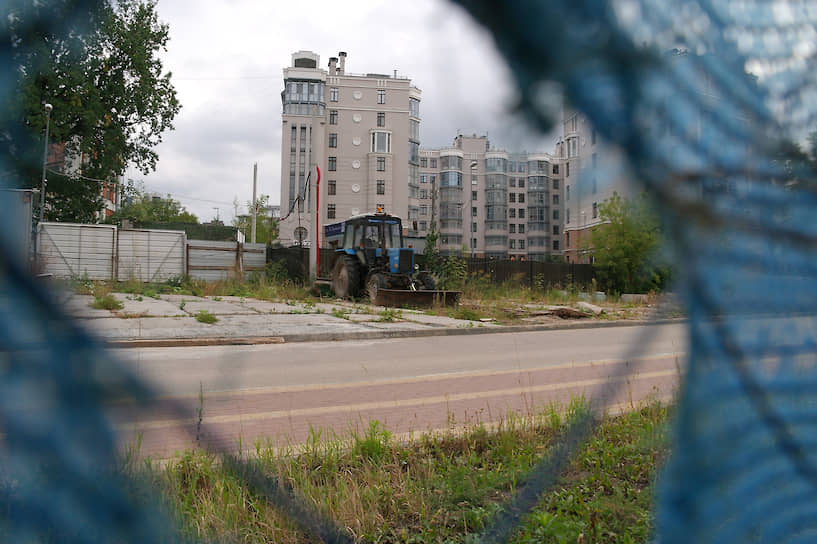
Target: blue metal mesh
(701,135)
(706,139)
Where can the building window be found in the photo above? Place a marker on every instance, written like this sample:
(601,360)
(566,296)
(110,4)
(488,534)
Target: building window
(567,170)
(556,230)
(555,183)
(473,211)
(381,186)
(511,197)
(473,243)
(381,142)
(332,188)
(381,164)
(567,216)
(595,210)
(567,192)
(595,185)
(423,210)
(433,179)
(521,198)
(381,96)
(512,244)
(423,178)
(521,228)
(333,139)
(423,225)
(423,162)
(567,239)
(330,211)
(473,195)
(555,199)
(333,117)
(473,227)
(423,193)
(333,164)
(512,228)
(381,119)
(512,213)
(473,180)
(521,244)
(433,163)
(555,245)
(555,168)
(333,94)
(555,215)
(521,183)
(512,182)
(521,213)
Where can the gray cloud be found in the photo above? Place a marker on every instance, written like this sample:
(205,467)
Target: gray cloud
(227,62)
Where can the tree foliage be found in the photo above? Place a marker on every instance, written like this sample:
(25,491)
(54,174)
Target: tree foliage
(112,100)
(622,247)
(140,208)
(266,228)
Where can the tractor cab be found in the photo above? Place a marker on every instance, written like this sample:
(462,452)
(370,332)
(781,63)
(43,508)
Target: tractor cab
(377,242)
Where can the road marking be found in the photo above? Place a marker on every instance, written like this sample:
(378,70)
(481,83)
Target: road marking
(405,403)
(413,379)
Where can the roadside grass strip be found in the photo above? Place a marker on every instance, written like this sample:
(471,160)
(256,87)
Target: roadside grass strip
(431,487)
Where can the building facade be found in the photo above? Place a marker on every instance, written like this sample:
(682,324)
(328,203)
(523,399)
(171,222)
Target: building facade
(361,130)
(491,203)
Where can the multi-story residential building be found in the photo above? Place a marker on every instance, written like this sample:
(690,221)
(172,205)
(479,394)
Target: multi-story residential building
(489,202)
(362,131)
(593,171)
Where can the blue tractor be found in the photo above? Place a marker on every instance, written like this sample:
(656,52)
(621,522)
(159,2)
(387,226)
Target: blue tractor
(372,261)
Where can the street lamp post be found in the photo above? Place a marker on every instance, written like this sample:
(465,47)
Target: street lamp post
(48,108)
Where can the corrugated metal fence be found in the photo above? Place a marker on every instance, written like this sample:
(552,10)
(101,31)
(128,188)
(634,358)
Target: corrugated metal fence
(150,255)
(67,250)
(103,252)
(213,261)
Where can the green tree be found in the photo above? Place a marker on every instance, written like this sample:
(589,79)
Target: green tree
(622,246)
(140,208)
(266,228)
(112,99)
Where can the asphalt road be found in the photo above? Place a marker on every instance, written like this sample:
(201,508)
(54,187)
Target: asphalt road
(279,394)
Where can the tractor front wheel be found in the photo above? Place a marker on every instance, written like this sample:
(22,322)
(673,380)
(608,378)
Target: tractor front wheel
(427,280)
(376,282)
(346,277)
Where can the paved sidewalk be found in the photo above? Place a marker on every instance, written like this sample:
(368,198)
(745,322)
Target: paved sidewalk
(170,320)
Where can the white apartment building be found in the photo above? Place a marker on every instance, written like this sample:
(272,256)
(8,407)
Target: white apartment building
(361,130)
(491,203)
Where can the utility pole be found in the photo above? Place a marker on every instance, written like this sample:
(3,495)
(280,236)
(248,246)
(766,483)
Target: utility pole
(254,200)
(313,199)
(48,108)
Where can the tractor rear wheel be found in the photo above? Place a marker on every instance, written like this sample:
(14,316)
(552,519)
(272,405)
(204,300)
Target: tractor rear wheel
(346,277)
(375,283)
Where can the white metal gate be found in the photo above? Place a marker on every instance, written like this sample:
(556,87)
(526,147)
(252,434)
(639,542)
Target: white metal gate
(150,255)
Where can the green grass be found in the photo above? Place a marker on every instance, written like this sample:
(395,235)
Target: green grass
(436,487)
(206,317)
(107,302)
(389,315)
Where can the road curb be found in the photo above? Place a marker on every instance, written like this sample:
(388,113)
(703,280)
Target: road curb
(379,334)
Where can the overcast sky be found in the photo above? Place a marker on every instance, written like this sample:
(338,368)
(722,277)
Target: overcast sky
(227,60)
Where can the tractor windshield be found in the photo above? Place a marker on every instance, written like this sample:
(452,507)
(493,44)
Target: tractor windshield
(390,231)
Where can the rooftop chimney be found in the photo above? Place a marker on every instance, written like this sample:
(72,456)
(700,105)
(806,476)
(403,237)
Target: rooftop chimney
(342,69)
(333,65)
